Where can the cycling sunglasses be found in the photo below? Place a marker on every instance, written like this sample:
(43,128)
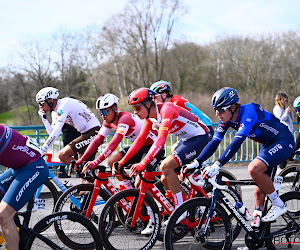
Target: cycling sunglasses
(41,103)
(104,112)
(297,110)
(137,107)
(222,110)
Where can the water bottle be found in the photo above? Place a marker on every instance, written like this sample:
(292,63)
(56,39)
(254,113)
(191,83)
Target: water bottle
(68,184)
(243,210)
(256,217)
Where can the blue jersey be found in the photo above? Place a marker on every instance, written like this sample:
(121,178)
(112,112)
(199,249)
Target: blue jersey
(253,122)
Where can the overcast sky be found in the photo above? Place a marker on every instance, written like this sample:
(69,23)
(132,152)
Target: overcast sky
(23,20)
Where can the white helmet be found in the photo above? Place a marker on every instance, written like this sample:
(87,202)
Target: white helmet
(46,93)
(106,101)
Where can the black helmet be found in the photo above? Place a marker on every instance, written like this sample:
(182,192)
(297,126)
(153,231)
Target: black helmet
(224,97)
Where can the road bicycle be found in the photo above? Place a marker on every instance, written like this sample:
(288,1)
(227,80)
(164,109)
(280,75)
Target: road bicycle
(130,207)
(67,230)
(205,216)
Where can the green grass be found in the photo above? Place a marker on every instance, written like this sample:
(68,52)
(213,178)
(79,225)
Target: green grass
(7,118)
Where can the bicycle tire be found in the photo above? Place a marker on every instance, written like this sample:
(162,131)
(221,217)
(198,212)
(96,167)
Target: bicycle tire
(125,237)
(291,179)
(50,195)
(84,233)
(195,207)
(64,202)
(292,200)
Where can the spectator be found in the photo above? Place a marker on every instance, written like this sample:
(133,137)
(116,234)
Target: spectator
(282,112)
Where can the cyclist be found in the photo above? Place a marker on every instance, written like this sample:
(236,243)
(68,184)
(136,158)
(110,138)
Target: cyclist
(250,120)
(170,119)
(126,125)
(71,111)
(163,90)
(26,172)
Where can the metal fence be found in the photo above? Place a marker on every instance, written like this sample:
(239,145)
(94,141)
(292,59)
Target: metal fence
(248,151)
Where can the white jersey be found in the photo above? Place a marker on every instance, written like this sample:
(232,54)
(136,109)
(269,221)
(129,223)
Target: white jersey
(75,113)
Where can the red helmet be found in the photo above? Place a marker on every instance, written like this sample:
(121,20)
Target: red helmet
(141,95)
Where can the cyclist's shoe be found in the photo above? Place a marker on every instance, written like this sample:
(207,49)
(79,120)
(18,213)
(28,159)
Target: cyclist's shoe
(63,175)
(149,228)
(274,213)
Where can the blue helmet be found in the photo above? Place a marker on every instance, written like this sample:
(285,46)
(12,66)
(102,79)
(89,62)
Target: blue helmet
(297,102)
(224,97)
(161,86)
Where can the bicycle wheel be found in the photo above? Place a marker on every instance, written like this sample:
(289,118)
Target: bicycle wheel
(82,234)
(127,237)
(291,179)
(44,203)
(77,199)
(288,221)
(218,233)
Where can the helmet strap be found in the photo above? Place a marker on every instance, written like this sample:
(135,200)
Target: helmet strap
(232,112)
(148,108)
(163,99)
(115,114)
(50,105)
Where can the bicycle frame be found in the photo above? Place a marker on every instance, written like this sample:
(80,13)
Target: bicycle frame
(109,186)
(158,195)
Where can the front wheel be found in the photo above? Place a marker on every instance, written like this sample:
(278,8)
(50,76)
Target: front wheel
(216,236)
(127,236)
(82,234)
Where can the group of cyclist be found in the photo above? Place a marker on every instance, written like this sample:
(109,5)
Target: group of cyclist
(157,113)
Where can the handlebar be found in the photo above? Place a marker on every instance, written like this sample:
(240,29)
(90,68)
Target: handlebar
(102,170)
(87,177)
(213,182)
(196,180)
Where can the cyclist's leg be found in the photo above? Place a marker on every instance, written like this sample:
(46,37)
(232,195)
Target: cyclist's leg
(260,169)
(184,153)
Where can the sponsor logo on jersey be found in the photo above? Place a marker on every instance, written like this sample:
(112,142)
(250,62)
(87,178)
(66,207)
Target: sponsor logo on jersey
(220,129)
(176,126)
(84,143)
(59,112)
(190,155)
(275,149)
(269,128)
(24,149)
